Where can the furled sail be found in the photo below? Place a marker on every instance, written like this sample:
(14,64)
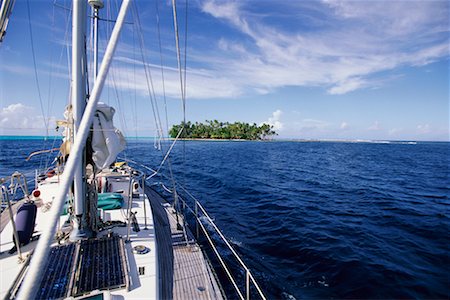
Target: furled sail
(67,133)
(107,141)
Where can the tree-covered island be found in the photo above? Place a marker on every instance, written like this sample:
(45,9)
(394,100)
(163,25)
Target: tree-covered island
(220,130)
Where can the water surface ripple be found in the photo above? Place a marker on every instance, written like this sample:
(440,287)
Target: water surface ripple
(318,220)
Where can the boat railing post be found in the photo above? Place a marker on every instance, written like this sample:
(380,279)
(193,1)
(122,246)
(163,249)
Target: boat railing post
(130,203)
(145,202)
(247,283)
(4,193)
(197,220)
(16,183)
(25,185)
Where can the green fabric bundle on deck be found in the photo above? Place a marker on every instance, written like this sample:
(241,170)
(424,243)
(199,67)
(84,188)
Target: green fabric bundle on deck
(106,201)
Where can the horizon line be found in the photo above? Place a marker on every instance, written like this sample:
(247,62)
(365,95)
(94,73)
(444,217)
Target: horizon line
(37,137)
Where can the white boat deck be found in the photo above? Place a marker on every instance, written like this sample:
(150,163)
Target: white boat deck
(141,286)
(178,270)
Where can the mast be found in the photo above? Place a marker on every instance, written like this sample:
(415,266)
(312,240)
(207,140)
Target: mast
(78,106)
(5,12)
(35,272)
(96,6)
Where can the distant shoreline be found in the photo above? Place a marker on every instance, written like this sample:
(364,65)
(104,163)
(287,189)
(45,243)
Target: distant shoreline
(221,140)
(40,137)
(307,141)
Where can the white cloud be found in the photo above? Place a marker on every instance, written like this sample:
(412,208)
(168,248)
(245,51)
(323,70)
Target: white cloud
(361,40)
(395,131)
(423,128)
(341,46)
(344,126)
(375,126)
(346,86)
(402,17)
(16,69)
(18,116)
(226,10)
(201,83)
(274,120)
(307,125)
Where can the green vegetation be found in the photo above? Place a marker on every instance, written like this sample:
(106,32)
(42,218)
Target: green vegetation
(219,130)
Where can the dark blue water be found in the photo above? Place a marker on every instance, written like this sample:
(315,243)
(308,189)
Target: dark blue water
(317,220)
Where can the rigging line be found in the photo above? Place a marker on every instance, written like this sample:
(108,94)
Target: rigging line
(61,6)
(35,69)
(149,78)
(128,92)
(164,89)
(148,74)
(164,176)
(119,96)
(150,86)
(165,107)
(116,93)
(183,99)
(162,65)
(66,48)
(113,76)
(184,85)
(52,64)
(107,33)
(120,110)
(52,98)
(185,46)
(50,154)
(69,67)
(114,21)
(124,77)
(91,47)
(135,89)
(88,92)
(177,44)
(167,154)
(41,159)
(119,93)
(175,24)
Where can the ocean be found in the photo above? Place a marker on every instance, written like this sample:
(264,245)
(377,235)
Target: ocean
(320,220)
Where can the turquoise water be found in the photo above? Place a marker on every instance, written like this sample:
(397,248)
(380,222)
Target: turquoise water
(26,137)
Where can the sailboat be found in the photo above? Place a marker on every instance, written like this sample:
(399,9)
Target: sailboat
(93,228)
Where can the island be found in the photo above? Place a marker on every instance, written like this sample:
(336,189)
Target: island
(222,130)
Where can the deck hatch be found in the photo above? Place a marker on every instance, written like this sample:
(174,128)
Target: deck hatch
(79,268)
(57,272)
(100,266)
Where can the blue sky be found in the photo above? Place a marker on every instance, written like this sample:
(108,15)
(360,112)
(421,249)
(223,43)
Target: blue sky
(313,69)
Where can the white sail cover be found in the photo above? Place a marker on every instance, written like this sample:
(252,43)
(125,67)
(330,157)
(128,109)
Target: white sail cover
(107,141)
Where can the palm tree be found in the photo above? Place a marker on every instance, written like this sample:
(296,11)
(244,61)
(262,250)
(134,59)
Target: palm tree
(221,130)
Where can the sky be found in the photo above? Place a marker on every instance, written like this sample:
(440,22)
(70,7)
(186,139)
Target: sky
(330,69)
